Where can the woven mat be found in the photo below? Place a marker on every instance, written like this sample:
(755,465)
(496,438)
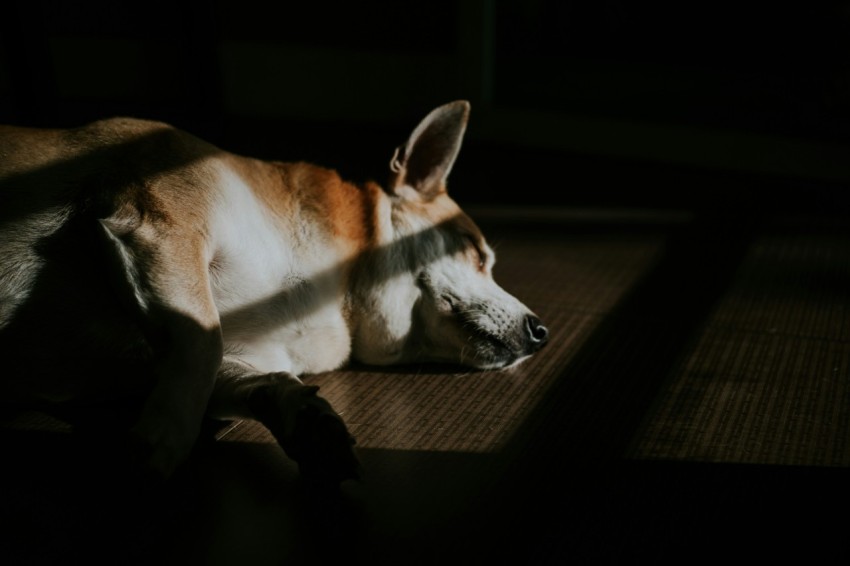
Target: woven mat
(767,380)
(571,282)
(762,380)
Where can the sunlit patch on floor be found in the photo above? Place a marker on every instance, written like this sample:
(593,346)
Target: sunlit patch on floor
(571,283)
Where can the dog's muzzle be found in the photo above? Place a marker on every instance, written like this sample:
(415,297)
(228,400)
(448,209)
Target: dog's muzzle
(495,350)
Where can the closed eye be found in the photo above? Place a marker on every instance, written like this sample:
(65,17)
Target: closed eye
(480,254)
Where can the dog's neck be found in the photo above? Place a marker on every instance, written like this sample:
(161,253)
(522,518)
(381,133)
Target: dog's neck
(385,290)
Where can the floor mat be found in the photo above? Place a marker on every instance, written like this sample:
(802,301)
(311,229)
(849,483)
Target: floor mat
(766,380)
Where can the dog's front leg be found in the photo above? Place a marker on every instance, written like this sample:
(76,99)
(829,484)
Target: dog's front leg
(172,415)
(303,423)
(164,280)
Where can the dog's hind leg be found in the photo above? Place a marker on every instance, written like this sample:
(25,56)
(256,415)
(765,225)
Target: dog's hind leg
(303,423)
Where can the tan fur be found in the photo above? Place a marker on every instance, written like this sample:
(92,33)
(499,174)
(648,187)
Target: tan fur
(139,261)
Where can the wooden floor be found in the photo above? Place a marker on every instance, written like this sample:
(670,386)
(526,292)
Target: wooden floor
(693,404)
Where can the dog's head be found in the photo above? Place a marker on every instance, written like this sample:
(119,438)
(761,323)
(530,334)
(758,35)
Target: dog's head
(436,299)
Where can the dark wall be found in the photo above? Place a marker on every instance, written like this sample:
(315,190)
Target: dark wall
(608,102)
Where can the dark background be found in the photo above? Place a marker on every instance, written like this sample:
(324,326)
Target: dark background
(605,103)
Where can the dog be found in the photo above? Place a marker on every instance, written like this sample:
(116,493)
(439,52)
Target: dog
(139,263)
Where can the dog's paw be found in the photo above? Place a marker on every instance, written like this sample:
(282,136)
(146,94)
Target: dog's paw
(320,442)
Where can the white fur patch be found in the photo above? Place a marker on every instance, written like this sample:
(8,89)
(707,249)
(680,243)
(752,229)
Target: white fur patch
(278,292)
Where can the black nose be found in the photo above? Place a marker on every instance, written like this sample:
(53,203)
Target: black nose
(537,333)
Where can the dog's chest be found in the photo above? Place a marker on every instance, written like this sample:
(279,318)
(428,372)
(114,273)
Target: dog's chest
(279,286)
(297,326)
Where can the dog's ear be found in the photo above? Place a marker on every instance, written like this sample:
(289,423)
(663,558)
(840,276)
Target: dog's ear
(425,161)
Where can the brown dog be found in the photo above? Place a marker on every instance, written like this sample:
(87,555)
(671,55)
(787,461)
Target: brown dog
(139,261)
